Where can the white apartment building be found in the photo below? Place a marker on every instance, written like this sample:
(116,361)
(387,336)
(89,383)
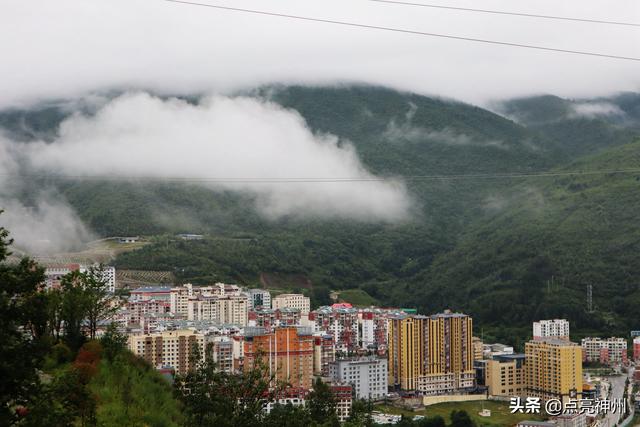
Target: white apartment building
(233,309)
(368,376)
(298,301)
(169,348)
(555,328)
(109,276)
(202,307)
(259,298)
(179,299)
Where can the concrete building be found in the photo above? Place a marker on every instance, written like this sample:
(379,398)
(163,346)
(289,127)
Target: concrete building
(478,348)
(203,307)
(259,298)
(555,328)
(324,352)
(572,420)
(504,375)
(343,395)
(553,369)
(368,376)
(220,349)
(233,309)
(158,293)
(636,348)
(170,348)
(606,351)
(341,323)
(287,352)
(489,351)
(298,301)
(431,355)
(269,318)
(372,330)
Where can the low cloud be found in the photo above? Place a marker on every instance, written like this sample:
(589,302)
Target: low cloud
(222,143)
(408,132)
(595,109)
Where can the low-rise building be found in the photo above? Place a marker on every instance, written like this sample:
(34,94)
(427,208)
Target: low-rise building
(571,420)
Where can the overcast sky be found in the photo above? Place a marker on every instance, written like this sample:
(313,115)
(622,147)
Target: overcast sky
(70,47)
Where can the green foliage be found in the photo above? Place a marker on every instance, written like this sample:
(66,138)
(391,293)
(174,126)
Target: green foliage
(130,392)
(461,419)
(321,404)
(19,355)
(535,257)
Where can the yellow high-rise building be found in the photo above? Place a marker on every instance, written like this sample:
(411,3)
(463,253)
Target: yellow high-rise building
(553,369)
(431,355)
(406,350)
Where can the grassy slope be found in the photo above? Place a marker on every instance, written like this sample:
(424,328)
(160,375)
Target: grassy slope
(500,413)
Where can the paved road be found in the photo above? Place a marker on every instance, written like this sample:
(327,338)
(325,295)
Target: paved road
(617,392)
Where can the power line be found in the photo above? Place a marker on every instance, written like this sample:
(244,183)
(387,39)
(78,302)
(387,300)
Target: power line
(221,180)
(401,30)
(500,12)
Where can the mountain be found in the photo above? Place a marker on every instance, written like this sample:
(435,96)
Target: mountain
(544,244)
(578,127)
(506,249)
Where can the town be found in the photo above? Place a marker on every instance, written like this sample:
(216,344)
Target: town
(394,357)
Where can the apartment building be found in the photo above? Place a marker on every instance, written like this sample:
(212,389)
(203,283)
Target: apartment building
(555,328)
(431,354)
(504,375)
(368,376)
(286,351)
(169,348)
(340,322)
(298,301)
(553,369)
(220,350)
(233,309)
(144,293)
(324,352)
(373,330)
(259,298)
(203,307)
(604,350)
(406,350)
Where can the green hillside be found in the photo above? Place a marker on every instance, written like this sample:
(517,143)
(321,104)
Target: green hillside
(551,238)
(490,238)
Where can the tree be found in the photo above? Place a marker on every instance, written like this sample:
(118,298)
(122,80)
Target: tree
(86,302)
(436,421)
(225,399)
(100,304)
(461,419)
(321,404)
(360,413)
(19,355)
(113,342)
